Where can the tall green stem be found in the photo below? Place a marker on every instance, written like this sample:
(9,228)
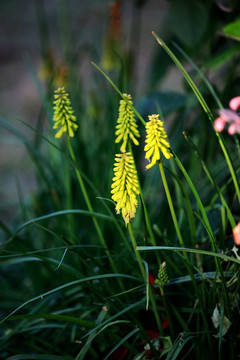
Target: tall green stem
(152,238)
(170,203)
(71,224)
(134,244)
(140,263)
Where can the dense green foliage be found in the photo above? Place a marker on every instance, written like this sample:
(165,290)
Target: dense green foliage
(73,283)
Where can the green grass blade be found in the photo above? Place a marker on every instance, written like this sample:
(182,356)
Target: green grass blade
(67,285)
(18,260)
(65,318)
(187,77)
(186,199)
(211,179)
(121,342)
(196,251)
(147,282)
(205,108)
(60,213)
(220,330)
(91,337)
(5,228)
(201,75)
(119,92)
(125,292)
(93,334)
(39,86)
(199,202)
(221,58)
(38,133)
(178,346)
(41,165)
(71,163)
(58,263)
(110,320)
(181,241)
(199,276)
(30,253)
(224,187)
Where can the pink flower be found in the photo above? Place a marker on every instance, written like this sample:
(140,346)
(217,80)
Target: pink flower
(229,116)
(219,124)
(236,234)
(235,103)
(234,128)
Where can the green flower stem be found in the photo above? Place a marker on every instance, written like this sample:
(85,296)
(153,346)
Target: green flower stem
(89,205)
(153,240)
(170,203)
(134,244)
(140,263)
(71,224)
(187,202)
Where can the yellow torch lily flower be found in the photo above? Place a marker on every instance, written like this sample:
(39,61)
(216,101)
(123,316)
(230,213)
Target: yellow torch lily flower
(156,141)
(125,186)
(63,114)
(126,124)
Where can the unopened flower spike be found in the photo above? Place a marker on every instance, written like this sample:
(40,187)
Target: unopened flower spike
(126,124)
(63,114)
(125,186)
(162,277)
(156,141)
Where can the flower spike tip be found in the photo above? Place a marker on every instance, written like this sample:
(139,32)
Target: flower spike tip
(63,114)
(126,124)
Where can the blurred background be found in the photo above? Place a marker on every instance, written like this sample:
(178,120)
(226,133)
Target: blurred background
(47,44)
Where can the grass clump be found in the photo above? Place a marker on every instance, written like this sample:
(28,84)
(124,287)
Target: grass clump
(162,281)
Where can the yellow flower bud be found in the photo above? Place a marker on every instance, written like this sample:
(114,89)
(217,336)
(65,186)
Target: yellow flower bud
(127,127)
(156,141)
(63,114)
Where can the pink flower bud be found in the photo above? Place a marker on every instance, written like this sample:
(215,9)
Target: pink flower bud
(236,234)
(219,123)
(234,104)
(234,128)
